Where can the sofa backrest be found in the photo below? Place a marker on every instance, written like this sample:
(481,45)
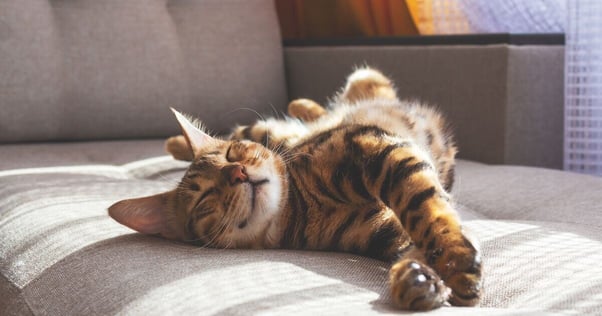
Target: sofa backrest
(502,94)
(110,69)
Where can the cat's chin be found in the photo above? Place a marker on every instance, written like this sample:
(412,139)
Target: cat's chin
(264,200)
(264,204)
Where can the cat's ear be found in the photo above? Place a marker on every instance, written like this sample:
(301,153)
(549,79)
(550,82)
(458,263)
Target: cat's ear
(147,215)
(195,137)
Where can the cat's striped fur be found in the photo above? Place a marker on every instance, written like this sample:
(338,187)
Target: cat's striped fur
(370,175)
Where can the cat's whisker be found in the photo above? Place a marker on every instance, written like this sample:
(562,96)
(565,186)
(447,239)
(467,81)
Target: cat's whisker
(216,232)
(225,221)
(231,240)
(287,159)
(163,178)
(277,114)
(234,205)
(204,236)
(248,109)
(281,149)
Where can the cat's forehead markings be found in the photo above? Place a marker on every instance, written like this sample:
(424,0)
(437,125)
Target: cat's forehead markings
(203,162)
(190,177)
(194,173)
(197,169)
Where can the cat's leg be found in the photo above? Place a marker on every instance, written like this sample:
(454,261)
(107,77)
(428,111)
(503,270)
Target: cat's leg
(366,83)
(178,147)
(401,174)
(415,285)
(272,133)
(363,84)
(306,110)
(439,140)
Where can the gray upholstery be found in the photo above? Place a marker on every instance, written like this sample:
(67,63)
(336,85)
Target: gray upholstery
(110,69)
(61,253)
(35,155)
(505,102)
(107,69)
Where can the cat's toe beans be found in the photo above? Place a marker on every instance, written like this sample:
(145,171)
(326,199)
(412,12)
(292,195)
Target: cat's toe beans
(414,265)
(421,278)
(464,278)
(475,264)
(466,289)
(417,287)
(459,259)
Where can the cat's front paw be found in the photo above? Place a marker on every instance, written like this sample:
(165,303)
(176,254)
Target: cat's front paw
(460,267)
(415,286)
(306,110)
(178,147)
(241,132)
(258,133)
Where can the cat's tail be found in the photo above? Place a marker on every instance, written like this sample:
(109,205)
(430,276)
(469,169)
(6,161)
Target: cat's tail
(366,83)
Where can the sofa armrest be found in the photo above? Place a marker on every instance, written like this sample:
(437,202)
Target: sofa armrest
(503,99)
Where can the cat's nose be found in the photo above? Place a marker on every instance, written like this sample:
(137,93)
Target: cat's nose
(235,173)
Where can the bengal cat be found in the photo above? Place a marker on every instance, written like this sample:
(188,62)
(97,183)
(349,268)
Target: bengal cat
(369,176)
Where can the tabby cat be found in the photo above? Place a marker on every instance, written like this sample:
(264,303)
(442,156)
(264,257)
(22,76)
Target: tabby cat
(369,176)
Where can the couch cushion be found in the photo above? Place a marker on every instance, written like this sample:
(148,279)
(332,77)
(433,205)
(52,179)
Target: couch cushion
(61,253)
(108,69)
(532,194)
(16,156)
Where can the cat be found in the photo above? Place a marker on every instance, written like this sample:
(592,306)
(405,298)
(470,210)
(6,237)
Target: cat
(370,175)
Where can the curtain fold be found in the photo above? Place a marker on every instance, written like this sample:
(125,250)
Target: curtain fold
(301,19)
(439,17)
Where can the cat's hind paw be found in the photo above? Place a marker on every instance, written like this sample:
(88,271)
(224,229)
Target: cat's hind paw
(415,286)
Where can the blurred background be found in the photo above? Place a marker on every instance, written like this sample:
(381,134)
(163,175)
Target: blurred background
(304,19)
(579,20)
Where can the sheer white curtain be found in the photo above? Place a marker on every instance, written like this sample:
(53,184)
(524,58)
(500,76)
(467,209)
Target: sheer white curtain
(516,16)
(581,21)
(583,87)
(497,16)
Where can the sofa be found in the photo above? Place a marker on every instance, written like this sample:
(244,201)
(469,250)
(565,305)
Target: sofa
(85,91)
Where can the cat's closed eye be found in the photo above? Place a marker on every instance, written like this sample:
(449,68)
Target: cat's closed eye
(204,196)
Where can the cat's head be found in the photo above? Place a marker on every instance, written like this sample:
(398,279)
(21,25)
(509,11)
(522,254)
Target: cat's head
(227,198)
